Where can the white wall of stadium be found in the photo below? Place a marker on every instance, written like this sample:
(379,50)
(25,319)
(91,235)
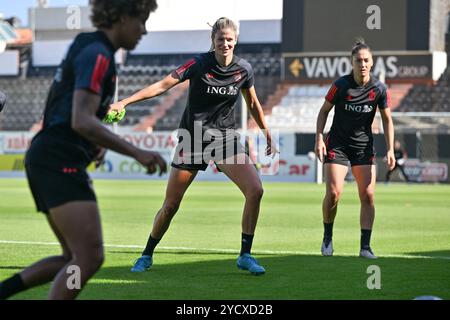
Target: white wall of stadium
(9,63)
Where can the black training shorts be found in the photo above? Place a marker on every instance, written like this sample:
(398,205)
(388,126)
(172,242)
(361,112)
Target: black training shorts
(53,187)
(194,160)
(343,154)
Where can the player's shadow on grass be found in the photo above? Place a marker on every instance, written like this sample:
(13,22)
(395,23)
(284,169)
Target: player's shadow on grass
(432,254)
(290,277)
(205,276)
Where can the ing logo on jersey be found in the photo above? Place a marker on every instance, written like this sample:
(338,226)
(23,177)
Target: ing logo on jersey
(360,109)
(229,90)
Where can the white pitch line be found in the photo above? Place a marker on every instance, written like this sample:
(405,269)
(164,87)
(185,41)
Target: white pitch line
(229,251)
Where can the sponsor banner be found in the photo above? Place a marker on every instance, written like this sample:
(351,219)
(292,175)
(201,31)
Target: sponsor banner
(15,142)
(12,162)
(426,171)
(123,166)
(332,66)
(285,165)
(156,141)
(302,168)
(296,168)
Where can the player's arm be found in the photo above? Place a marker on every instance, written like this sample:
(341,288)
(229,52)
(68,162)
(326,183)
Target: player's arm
(320,149)
(86,124)
(388,126)
(151,91)
(255,109)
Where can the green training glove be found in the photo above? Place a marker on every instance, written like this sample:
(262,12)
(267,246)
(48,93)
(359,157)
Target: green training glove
(114,116)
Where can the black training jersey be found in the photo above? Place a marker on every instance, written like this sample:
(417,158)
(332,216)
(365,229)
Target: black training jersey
(355,108)
(213,91)
(89,65)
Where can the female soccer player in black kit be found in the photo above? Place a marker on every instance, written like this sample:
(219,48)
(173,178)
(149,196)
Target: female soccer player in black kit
(356,98)
(56,162)
(216,78)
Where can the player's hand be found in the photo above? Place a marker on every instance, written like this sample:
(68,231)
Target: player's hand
(118,107)
(390,158)
(152,161)
(100,157)
(271,149)
(320,149)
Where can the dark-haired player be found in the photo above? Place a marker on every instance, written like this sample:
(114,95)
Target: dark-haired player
(355,98)
(59,154)
(216,79)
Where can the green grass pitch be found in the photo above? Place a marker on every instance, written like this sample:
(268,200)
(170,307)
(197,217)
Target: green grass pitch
(197,257)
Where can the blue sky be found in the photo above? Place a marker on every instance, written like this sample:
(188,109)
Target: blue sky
(19,8)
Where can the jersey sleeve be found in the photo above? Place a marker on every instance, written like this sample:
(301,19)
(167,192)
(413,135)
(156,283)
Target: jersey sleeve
(90,68)
(188,70)
(250,81)
(333,93)
(384,101)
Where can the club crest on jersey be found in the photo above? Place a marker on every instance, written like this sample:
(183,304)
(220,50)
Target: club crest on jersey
(360,109)
(371,95)
(229,90)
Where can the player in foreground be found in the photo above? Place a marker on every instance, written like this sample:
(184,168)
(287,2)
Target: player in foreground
(59,154)
(216,78)
(356,98)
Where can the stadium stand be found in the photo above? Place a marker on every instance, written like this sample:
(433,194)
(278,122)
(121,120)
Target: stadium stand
(432,98)
(133,78)
(295,107)
(28,94)
(298,109)
(26,100)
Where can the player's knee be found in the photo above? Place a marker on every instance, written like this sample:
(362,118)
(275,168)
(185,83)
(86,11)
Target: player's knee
(367,197)
(170,208)
(91,258)
(255,194)
(97,258)
(333,196)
